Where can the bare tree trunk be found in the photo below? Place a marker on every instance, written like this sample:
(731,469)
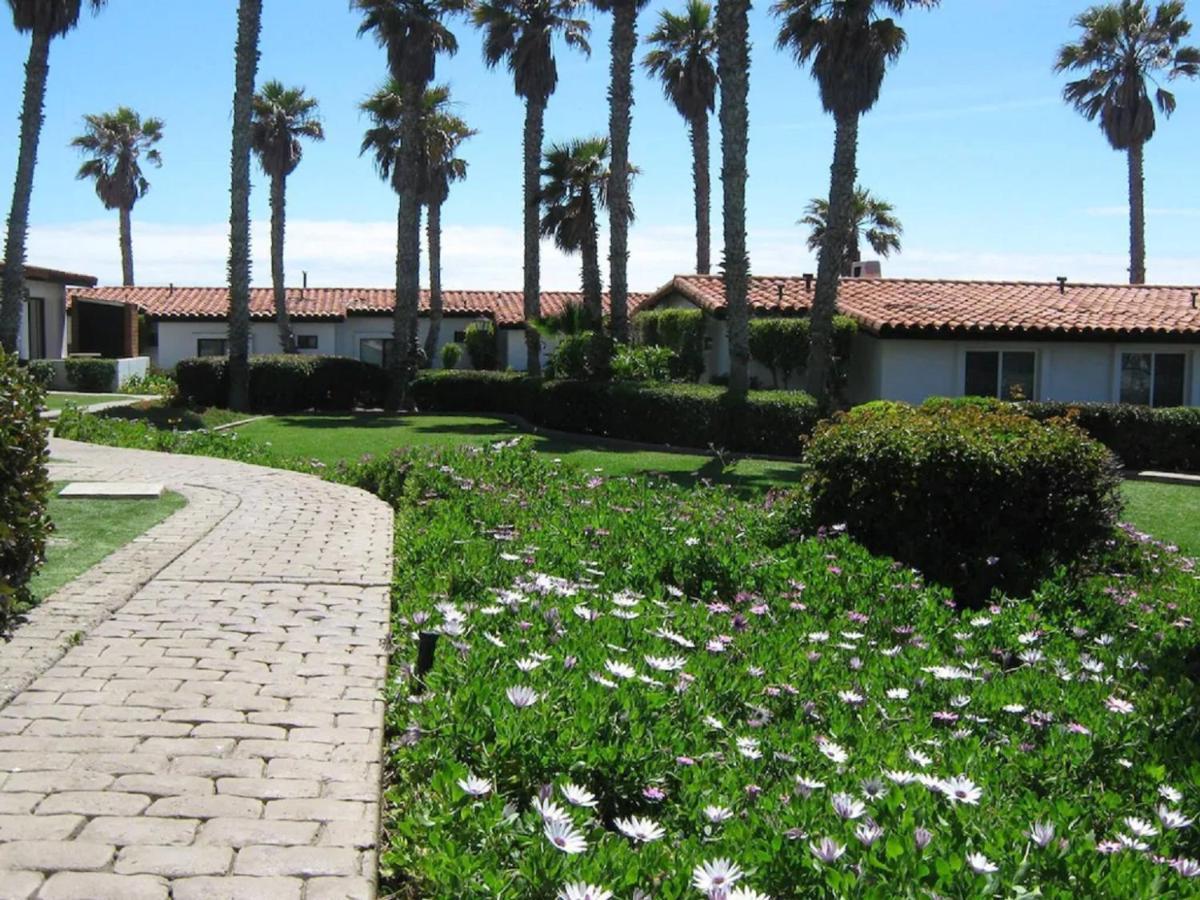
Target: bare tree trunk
(408,250)
(843,174)
(287,340)
(433,231)
(535,112)
(249,26)
(733,68)
(37,69)
(620,119)
(126,230)
(593,287)
(703,191)
(1137,214)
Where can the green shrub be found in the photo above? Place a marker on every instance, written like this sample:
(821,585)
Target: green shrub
(451,354)
(285,383)
(976,499)
(682,330)
(781,344)
(204,381)
(482,349)
(91,375)
(24,486)
(42,371)
(572,357)
(153,382)
(642,363)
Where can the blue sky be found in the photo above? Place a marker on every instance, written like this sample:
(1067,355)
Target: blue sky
(992,175)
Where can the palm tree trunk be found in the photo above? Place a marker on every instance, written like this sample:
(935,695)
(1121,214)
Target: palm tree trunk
(1137,214)
(733,67)
(623,43)
(408,249)
(126,230)
(433,232)
(287,340)
(843,174)
(593,287)
(37,68)
(535,112)
(703,191)
(249,25)
(853,253)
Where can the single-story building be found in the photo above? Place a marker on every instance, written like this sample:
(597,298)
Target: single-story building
(1042,341)
(43,332)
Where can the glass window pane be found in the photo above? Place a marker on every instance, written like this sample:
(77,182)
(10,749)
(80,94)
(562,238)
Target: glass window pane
(981,374)
(375,351)
(1017,380)
(1135,378)
(211,347)
(1168,379)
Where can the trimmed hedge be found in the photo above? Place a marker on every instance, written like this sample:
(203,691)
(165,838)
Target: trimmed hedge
(42,371)
(24,486)
(781,344)
(482,348)
(682,415)
(977,499)
(682,330)
(92,375)
(285,383)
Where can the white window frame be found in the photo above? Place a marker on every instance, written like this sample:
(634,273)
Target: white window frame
(1189,387)
(1000,348)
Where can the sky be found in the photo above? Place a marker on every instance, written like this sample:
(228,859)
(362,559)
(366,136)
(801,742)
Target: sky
(991,173)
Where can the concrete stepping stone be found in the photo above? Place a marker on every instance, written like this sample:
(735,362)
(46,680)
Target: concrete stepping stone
(112,490)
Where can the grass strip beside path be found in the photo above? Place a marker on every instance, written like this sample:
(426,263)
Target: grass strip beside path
(59,400)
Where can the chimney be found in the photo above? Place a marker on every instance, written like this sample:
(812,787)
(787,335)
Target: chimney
(304,283)
(171,290)
(1194,295)
(868,268)
(1062,284)
(779,293)
(808,280)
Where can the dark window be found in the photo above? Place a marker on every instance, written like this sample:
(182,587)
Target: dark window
(36,308)
(982,374)
(212,347)
(1153,379)
(1004,374)
(459,337)
(376,351)
(306,342)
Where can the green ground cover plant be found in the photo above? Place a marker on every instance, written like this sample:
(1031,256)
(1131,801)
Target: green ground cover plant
(59,399)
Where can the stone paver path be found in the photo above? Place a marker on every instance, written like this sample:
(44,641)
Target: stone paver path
(199,716)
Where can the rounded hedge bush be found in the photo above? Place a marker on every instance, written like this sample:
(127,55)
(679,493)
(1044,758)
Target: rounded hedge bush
(978,499)
(24,486)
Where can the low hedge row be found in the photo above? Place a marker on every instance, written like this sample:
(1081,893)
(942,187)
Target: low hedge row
(683,415)
(285,383)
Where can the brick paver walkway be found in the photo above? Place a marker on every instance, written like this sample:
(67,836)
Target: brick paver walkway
(199,716)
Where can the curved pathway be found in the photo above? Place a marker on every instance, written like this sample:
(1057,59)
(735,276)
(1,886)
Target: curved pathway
(200,715)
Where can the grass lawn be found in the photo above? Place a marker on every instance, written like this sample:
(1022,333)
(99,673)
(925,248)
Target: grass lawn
(331,438)
(1170,512)
(58,400)
(86,531)
(174,417)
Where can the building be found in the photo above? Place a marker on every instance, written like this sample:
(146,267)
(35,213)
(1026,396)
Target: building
(44,331)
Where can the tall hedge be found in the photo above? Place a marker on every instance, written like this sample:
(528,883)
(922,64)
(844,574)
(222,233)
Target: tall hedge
(781,344)
(482,348)
(24,486)
(681,330)
(285,383)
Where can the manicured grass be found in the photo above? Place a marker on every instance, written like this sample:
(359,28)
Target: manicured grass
(86,531)
(174,418)
(60,399)
(1170,512)
(332,438)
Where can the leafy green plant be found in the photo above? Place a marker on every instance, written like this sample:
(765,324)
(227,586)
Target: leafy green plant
(482,349)
(91,375)
(285,382)
(451,354)
(642,363)
(682,330)
(153,382)
(41,371)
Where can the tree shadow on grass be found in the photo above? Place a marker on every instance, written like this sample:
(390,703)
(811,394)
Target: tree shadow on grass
(164,418)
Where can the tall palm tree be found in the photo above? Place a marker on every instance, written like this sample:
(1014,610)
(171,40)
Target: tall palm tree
(282,116)
(1122,50)
(622,45)
(115,143)
(444,133)
(733,70)
(413,33)
(246,69)
(520,33)
(872,220)
(849,44)
(684,47)
(44,20)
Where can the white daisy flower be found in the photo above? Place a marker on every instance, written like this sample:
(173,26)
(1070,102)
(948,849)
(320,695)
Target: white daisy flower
(620,669)
(522,696)
(980,864)
(639,829)
(475,786)
(578,890)
(564,837)
(716,875)
(666,663)
(550,811)
(717,814)
(578,796)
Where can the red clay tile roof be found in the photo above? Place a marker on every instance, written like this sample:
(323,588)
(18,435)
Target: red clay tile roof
(505,307)
(55,276)
(885,306)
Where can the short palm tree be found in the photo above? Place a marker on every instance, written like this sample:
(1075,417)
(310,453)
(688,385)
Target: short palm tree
(1123,48)
(733,70)
(245,71)
(115,143)
(282,116)
(872,220)
(520,34)
(444,133)
(414,33)
(44,20)
(849,44)
(682,59)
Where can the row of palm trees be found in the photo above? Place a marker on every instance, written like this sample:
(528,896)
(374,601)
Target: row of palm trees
(847,44)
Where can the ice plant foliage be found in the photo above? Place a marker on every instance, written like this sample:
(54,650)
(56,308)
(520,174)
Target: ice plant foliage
(856,735)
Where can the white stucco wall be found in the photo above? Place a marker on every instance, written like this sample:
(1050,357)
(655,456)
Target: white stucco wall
(54,300)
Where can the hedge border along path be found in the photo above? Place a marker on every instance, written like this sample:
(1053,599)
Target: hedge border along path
(219,734)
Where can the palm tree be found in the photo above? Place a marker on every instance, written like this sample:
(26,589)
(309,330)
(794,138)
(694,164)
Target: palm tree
(444,133)
(246,69)
(684,47)
(282,116)
(413,33)
(849,44)
(520,33)
(733,70)
(622,45)
(1122,49)
(44,20)
(872,219)
(115,142)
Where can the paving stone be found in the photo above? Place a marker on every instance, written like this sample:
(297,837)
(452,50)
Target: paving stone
(93,803)
(339,889)
(268,788)
(305,861)
(18,804)
(235,887)
(38,828)
(148,830)
(315,810)
(20,885)
(103,886)
(206,807)
(244,832)
(107,489)
(164,785)
(173,862)
(49,856)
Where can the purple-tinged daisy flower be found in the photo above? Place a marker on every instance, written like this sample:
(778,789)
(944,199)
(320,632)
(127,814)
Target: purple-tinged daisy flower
(961,789)
(564,836)
(475,786)
(654,793)
(852,698)
(578,796)
(847,807)
(868,833)
(716,875)
(980,864)
(1172,819)
(639,829)
(550,811)
(666,663)
(900,777)
(1140,827)
(620,669)
(1188,868)
(1117,705)
(580,891)
(806,786)
(922,837)
(1042,833)
(897,693)
(833,752)
(1129,842)
(522,696)
(1169,793)
(873,788)
(828,851)
(717,814)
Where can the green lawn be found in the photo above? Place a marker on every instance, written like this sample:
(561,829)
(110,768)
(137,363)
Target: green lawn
(331,438)
(1170,512)
(174,417)
(86,531)
(60,399)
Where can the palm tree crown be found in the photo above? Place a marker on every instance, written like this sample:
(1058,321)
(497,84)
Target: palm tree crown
(520,33)
(115,143)
(443,133)
(574,186)
(282,116)
(682,59)
(52,17)
(872,219)
(412,32)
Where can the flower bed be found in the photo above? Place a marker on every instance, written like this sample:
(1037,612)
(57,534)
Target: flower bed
(665,693)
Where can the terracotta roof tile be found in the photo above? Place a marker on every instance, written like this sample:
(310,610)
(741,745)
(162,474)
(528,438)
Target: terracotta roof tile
(55,276)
